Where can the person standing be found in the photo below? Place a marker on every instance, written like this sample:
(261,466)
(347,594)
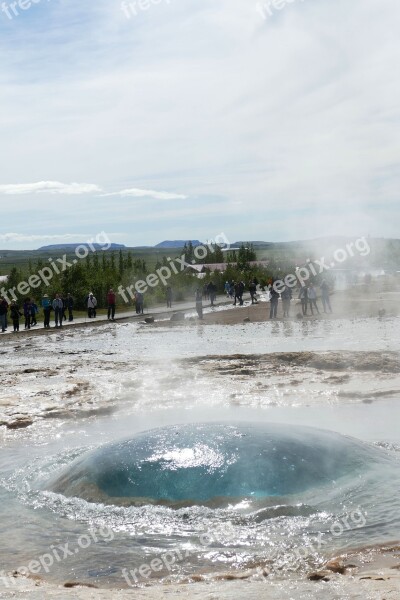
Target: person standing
(3,314)
(273,299)
(34,312)
(241,292)
(111,304)
(239,289)
(64,301)
(253,292)
(15,315)
(235,292)
(169,297)
(303,297)
(227,288)
(312,298)
(286,298)
(139,303)
(91,306)
(27,313)
(212,292)
(58,307)
(326,303)
(70,307)
(46,305)
(199,303)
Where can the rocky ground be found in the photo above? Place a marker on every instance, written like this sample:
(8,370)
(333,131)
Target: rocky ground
(334,582)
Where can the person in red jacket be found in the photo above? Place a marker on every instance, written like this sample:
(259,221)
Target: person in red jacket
(111,304)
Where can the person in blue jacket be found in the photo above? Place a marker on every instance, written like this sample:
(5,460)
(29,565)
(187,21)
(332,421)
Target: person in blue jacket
(34,312)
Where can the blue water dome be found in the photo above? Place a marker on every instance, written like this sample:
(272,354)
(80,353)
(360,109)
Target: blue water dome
(199,463)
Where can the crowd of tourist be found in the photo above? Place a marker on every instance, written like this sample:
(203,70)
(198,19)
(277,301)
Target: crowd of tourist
(307,295)
(63,306)
(235,290)
(60,305)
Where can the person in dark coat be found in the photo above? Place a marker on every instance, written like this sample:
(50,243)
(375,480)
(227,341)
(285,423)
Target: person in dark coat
(169,297)
(70,307)
(212,292)
(139,301)
(3,313)
(64,308)
(253,292)
(15,315)
(239,289)
(27,313)
(58,307)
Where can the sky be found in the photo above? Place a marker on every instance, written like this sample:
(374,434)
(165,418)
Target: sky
(182,119)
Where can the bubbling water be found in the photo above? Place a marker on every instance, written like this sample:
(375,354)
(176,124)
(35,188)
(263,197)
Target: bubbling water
(213,463)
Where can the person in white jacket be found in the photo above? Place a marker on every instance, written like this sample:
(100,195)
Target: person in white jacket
(91,306)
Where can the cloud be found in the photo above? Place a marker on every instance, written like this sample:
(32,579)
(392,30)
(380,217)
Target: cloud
(49,187)
(75,189)
(138,193)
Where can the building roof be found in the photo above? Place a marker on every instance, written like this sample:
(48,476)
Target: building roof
(221,267)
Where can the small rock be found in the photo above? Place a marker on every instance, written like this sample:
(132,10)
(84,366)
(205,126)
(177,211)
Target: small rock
(149,320)
(246,320)
(19,424)
(319,576)
(336,566)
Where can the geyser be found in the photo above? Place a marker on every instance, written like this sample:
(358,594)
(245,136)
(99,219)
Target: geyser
(199,463)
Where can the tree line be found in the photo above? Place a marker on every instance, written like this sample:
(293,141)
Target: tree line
(100,271)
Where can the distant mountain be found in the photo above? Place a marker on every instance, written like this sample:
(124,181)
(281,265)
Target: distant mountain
(71,247)
(176,243)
